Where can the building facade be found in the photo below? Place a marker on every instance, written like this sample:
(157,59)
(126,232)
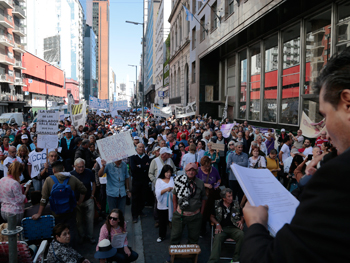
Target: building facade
(12,39)
(179,55)
(264,56)
(112,85)
(90,53)
(100,25)
(55,33)
(162,32)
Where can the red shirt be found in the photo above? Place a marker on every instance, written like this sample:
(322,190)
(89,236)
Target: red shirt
(178,137)
(319,141)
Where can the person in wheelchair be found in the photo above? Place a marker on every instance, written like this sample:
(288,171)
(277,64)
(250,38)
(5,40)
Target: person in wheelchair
(228,221)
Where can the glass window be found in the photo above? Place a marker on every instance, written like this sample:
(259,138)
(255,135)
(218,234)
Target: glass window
(343,27)
(203,30)
(290,75)
(231,81)
(243,86)
(255,71)
(214,17)
(271,79)
(318,44)
(310,107)
(193,38)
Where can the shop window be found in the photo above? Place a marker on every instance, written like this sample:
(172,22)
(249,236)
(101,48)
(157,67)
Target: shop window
(290,75)
(318,44)
(343,27)
(271,79)
(243,86)
(255,73)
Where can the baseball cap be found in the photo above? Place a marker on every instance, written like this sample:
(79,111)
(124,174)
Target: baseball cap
(67,130)
(283,130)
(167,128)
(216,128)
(136,138)
(191,166)
(165,150)
(24,136)
(156,148)
(150,141)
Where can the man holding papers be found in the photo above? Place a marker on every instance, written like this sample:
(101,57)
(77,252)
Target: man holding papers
(319,230)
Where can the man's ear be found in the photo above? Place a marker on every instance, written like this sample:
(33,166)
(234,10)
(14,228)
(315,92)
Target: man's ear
(345,100)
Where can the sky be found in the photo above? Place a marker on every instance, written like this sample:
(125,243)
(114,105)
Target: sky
(125,39)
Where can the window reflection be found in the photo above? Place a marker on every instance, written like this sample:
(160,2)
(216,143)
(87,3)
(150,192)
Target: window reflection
(255,70)
(231,83)
(290,75)
(243,87)
(271,77)
(318,44)
(343,27)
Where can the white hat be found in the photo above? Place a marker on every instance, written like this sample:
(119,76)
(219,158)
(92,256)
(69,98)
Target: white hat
(216,128)
(165,150)
(136,138)
(167,128)
(163,124)
(196,122)
(150,141)
(156,148)
(198,131)
(24,136)
(95,133)
(159,135)
(67,130)
(283,130)
(266,134)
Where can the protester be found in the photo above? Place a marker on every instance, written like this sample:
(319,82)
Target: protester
(272,162)
(256,161)
(68,150)
(191,157)
(11,157)
(213,155)
(298,140)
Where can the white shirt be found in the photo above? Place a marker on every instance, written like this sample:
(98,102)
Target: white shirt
(307,151)
(162,198)
(285,152)
(200,154)
(252,162)
(188,158)
(7,163)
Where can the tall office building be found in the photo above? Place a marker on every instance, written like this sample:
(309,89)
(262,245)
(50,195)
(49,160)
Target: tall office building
(90,76)
(100,25)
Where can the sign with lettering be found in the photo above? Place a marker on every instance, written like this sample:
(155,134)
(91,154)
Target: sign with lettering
(47,122)
(117,147)
(47,141)
(78,114)
(310,129)
(184,249)
(218,146)
(37,161)
(189,110)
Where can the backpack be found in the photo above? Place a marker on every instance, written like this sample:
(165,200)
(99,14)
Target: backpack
(62,198)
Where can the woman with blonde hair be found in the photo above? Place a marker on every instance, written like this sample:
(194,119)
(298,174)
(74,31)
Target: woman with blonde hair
(23,153)
(12,197)
(190,157)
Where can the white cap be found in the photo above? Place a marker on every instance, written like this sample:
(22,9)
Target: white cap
(165,150)
(167,128)
(67,130)
(266,134)
(156,148)
(136,138)
(24,136)
(159,135)
(216,128)
(196,122)
(150,141)
(163,124)
(283,130)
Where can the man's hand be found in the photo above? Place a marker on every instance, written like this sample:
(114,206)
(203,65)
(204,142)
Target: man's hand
(208,186)
(129,194)
(36,217)
(103,162)
(127,251)
(46,165)
(218,229)
(240,224)
(311,168)
(253,214)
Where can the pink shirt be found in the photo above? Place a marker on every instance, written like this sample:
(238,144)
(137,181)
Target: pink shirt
(114,231)
(11,196)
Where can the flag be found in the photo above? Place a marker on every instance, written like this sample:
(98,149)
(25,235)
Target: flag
(189,15)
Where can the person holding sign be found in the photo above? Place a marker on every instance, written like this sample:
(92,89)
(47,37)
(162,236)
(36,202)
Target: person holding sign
(213,155)
(36,162)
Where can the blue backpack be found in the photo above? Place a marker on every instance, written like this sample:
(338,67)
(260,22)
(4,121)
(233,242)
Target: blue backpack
(62,198)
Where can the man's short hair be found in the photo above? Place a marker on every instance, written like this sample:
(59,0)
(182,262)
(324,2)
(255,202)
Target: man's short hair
(286,139)
(85,142)
(238,144)
(77,140)
(334,77)
(206,134)
(224,192)
(53,152)
(58,166)
(79,160)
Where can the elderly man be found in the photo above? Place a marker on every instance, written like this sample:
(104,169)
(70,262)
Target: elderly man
(206,139)
(228,224)
(240,158)
(327,190)
(10,159)
(86,210)
(298,140)
(47,169)
(155,169)
(83,152)
(139,166)
(188,205)
(320,140)
(118,183)
(172,143)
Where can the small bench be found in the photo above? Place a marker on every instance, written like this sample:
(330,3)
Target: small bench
(184,251)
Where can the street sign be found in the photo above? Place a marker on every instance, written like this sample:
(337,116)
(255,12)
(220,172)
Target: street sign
(160,93)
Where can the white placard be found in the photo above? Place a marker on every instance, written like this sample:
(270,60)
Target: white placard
(78,114)
(47,122)
(47,141)
(118,240)
(118,147)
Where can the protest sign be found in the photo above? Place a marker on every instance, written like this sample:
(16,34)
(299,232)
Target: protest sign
(218,146)
(310,129)
(78,114)
(224,114)
(189,110)
(47,141)
(47,122)
(118,147)
(118,105)
(37,161)
(118,120)
(161,112)
(61,115)
(226,129)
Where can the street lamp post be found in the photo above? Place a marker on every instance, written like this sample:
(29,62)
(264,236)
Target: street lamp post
(135,83)
(142,66)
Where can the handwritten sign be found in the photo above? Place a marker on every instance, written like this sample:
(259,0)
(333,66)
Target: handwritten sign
(47,122)
(184,249)
(47,141)
(118,147)
(226,129)
(218,146)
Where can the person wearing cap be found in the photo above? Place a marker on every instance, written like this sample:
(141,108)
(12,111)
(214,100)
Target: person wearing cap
(136,141)
(11,157)
(139,166)
(155,169)
(188,205)
(281,138)
(68,149)
(150,145)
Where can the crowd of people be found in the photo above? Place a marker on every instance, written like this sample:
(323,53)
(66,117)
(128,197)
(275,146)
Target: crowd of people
(180,173)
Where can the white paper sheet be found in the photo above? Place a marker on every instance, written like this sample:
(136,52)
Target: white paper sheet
(118,240)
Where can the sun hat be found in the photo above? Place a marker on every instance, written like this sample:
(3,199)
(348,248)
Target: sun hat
(105,250)
(165,150)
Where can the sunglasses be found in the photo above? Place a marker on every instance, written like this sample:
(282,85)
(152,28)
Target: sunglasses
(113,218)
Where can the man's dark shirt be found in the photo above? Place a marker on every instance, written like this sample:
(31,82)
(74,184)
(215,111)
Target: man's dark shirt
(87,178)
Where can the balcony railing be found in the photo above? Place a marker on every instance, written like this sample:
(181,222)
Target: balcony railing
(5,59)
(19,47)
(19,30)
(6,78)
(6,40)
(7,4)
(19,12)
(6,20)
